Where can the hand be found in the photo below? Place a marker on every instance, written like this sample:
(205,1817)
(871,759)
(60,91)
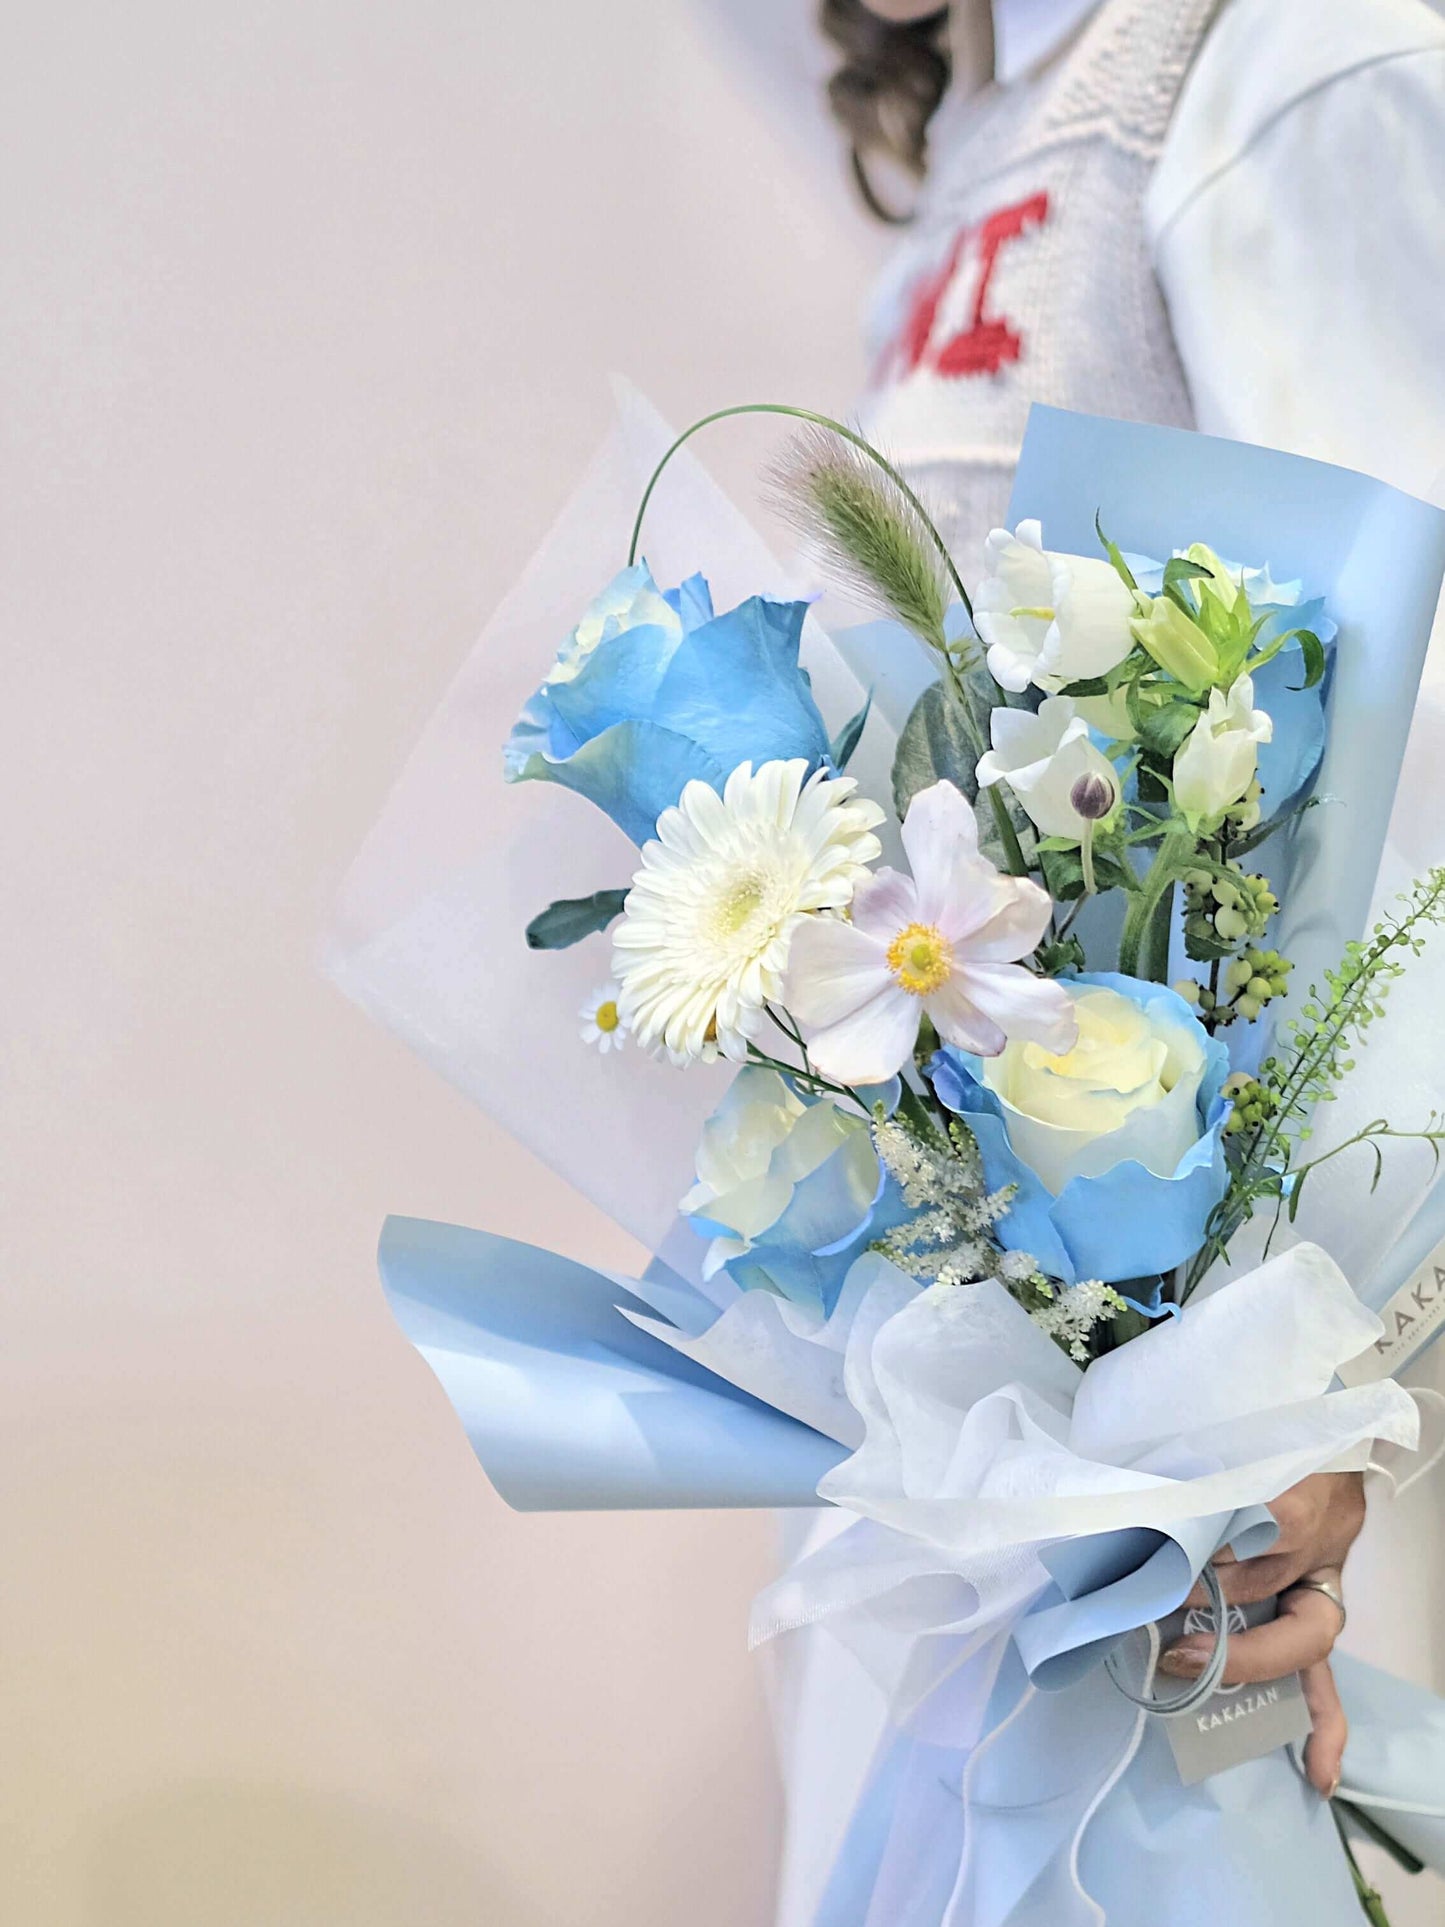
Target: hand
(1319,1520)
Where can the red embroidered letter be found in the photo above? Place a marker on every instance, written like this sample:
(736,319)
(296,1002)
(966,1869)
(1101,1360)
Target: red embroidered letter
(989,341)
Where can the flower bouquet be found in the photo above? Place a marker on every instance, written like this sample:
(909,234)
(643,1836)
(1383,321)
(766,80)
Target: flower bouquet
(996,960)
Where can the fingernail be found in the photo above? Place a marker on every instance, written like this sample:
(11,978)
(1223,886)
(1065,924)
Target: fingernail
(1184,1662)
(1334,1787)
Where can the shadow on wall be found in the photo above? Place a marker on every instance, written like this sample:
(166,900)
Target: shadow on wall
(227,1854)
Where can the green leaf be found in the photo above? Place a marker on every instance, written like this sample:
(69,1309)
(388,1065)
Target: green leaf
(1089,686)
(1311,648)
(1055,957)
(1180,569)
(1265,829)
(1115,555)
(1163,730)
(1064,872)
(1314,655)
(934,747)
(1177,571)
(1208,949)
(571,919)
(846,741)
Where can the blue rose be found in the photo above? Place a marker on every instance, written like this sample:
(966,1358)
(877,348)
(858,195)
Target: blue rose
(652,689)
(789,1190)
(1116,1147)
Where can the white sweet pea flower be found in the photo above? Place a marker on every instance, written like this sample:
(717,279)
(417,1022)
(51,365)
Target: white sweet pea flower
(1049,618)
(1090,633)
(1215,763)
(1013,604)
(1047,758)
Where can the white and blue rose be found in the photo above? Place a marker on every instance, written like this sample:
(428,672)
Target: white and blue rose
(789,1190)
(1116,1146)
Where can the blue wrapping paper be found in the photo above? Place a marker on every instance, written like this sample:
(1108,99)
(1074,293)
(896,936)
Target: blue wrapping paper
(566,1403)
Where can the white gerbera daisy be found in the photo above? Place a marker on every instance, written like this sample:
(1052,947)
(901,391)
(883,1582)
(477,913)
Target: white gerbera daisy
(703,943)
(602,1024)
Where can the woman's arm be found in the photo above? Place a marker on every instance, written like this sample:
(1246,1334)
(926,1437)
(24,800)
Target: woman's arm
(1295,222)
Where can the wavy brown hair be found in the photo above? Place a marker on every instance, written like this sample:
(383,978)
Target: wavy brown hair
(892,78)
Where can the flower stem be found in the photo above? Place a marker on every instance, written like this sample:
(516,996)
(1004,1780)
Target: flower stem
(1144,945)
(809,1077)
(1086,858)
(1369,1899)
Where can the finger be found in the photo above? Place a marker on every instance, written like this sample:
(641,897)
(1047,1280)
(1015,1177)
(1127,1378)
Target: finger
(1305,1633)
(1321,1516)
(1299,1513)
(1246,1581)
(1325,1748)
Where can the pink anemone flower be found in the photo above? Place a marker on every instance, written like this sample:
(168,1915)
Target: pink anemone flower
(942,943)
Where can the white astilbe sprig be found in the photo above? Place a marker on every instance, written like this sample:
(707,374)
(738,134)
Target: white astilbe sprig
(1071,1313)
(950,1238)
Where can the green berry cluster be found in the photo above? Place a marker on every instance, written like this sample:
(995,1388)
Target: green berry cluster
(1246,985)
(1223,909)
(1243,816)
(1254,1105)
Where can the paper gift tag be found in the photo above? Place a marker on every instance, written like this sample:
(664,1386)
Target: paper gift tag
(1413,1318)
(1237,1723)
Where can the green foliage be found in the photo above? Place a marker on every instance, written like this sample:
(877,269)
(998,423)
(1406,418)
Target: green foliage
(1063,868)
(1335,1022)
(1164,729)
(934,745)
(1059,955)
(938,744)
(849,736)
(570,919)
(1115,555)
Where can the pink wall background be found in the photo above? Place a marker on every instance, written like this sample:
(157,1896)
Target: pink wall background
(309,309)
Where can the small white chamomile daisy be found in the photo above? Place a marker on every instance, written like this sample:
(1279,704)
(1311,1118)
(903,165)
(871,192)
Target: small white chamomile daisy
(602,1024)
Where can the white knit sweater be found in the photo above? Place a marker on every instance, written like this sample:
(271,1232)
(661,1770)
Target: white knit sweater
(1028,276)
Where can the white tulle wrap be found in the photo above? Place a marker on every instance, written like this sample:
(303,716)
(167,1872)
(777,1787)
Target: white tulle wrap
(982,1455)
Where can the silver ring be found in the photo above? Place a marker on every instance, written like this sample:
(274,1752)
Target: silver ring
(1204,1687)
(1330,1590)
